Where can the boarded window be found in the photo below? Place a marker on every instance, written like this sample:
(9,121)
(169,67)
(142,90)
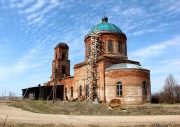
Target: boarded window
(119,89)
(80,90)
(71,91)
(110,46)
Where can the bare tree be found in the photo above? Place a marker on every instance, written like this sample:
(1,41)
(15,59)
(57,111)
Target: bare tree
(169,92)
(177,93)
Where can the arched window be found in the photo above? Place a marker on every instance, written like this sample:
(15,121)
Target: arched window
(119,89)
(119,47)
(63,69)
(71,91)
(87,91)
(80,90)
(110,46)
(144,89)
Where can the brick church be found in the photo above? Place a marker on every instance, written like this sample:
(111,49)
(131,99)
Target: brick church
(116,77)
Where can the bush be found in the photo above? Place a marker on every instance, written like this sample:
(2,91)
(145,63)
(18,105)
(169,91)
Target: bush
(154,99)
(114,103)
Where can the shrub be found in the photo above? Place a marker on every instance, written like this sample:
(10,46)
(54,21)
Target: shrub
(114,103)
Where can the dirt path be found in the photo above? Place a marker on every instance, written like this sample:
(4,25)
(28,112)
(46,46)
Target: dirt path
(16,115)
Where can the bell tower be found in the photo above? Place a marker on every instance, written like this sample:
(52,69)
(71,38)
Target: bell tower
(60,64)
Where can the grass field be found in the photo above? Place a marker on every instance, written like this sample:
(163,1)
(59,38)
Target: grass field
(83,108)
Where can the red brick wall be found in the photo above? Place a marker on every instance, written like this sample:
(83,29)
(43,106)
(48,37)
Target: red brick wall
(80,78)
(67,82)
(80,75)
(104,46)
(131,80)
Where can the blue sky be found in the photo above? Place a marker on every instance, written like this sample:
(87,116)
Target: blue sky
(30,29)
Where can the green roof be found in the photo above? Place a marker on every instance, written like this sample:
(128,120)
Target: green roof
(105,26)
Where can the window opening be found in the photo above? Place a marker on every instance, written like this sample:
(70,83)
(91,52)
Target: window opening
(87,94)
(80,90)
(71,91)
(119,89)
(65,91)
(63,69)
(110,46)
(63,55)
(119,47)
(144,89)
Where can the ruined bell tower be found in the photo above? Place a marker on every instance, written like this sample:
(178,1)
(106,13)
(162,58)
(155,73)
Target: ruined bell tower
(60,64)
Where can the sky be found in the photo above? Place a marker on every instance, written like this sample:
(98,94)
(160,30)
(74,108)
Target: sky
(30,29)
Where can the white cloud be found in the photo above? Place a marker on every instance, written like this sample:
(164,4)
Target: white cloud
(36,6)
(175,61)
(157,48)
(40,17)
(17,4)
(54,2)
(161,69)
(36,13)
(167,9)
(132,11)
(143,31)
(160,27)
(27,61)
(166,66)
(171,8)
(38,20)
(116,9)
(32,16)
(33,59)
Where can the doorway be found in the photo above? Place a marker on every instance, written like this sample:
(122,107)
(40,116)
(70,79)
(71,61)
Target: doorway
(60,92)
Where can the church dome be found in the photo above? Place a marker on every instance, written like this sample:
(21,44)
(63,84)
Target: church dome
(63,45)
(104,26)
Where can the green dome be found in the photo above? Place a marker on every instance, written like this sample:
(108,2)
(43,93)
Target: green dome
(105,26)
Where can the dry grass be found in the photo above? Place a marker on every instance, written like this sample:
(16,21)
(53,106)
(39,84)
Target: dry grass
(66,108)
(35,125)
(90,125)
(82,108)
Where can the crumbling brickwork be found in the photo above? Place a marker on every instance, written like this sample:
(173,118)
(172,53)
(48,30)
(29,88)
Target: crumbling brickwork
(132,85)
(117,76)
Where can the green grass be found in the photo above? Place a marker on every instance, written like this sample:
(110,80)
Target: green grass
(83,108)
